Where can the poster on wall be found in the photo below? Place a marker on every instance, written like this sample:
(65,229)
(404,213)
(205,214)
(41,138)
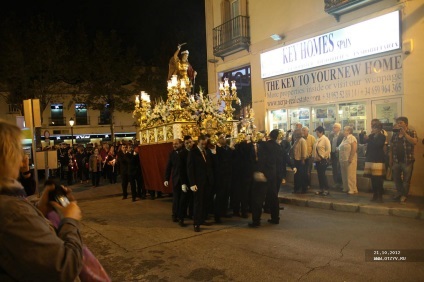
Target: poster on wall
(386,113)
(370,78)
(322,113)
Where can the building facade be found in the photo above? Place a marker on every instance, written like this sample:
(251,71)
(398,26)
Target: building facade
(320,62)
(89,125)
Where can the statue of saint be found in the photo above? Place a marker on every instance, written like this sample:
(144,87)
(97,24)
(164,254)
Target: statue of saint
(182,68)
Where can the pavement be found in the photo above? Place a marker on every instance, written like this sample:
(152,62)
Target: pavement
(335,201)
(137,241)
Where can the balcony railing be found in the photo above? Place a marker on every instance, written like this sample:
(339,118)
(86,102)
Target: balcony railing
(337,8)
(104,120)
(231,37)
(57,121)
(82,120)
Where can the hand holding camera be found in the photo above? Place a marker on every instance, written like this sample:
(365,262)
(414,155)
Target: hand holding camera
(58,197)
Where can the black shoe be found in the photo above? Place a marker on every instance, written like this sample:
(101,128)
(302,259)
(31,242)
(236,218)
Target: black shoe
(206,223)
(244,215)
(124,197)
(218,220)
(197,228)
(273,221)
(236,214)
(159,196)
(134,199)
(181,223)
(253,225)
(174,219)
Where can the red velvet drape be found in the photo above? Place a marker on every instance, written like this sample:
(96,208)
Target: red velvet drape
(153,160)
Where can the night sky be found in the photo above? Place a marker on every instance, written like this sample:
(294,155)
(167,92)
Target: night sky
(154,28)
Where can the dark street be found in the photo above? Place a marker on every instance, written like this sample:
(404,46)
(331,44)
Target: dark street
(139,242)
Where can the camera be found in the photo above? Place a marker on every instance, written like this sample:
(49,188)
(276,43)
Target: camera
(288,131)
(58,194)
(396,129)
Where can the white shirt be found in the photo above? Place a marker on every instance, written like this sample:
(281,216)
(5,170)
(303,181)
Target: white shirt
(345,148)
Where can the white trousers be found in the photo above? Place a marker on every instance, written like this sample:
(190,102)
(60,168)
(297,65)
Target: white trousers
(348,171)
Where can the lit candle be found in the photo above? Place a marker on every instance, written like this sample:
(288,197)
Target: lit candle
(221,85)
(174,80)
(147,98)
(182,84)
(137,101)
(226,82)
(169,84)
(233,85)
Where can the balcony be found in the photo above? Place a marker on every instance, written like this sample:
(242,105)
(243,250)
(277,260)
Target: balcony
(102,120)
(57,121)
(82,120)
(337,8)
(231,37)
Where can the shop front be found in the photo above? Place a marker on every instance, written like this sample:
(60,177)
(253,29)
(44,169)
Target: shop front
(349,76)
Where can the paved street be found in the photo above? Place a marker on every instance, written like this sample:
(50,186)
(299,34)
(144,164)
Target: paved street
(139,242)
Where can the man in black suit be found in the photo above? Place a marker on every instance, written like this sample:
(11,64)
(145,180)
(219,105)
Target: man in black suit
(336,137)
(186,198)
(173,167)
(224,155)
(200,176)
(266,175)
(125,164)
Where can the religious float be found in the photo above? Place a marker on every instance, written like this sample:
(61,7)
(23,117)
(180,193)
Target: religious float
(181,114)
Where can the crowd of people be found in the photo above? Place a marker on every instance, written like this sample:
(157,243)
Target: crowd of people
(104,161)
(211,178)
(208,178)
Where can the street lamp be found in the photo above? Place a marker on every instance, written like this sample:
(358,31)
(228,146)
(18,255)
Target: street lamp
(71,123)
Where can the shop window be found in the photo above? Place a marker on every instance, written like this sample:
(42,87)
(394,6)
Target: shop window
(278,120)
(324,116)
(299,115)
(354,115)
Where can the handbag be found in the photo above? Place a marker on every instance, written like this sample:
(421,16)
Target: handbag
(322,160)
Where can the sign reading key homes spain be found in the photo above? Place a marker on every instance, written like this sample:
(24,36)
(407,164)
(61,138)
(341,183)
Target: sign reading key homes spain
(377,35)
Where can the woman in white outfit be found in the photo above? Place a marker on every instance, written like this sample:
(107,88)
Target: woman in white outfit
(348,159)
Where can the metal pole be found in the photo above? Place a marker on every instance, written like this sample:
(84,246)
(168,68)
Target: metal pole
(72,136)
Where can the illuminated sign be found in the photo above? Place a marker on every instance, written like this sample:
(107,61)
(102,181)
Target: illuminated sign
(377,35)
(82,137)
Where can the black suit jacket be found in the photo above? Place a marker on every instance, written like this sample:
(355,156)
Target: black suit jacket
(200,173)
(173,167)
(183,167)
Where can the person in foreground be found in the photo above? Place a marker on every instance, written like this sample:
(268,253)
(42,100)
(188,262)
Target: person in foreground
(31,249)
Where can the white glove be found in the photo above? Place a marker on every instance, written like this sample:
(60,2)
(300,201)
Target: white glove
(193,188)
(166,183)
(295,170)
(184,188)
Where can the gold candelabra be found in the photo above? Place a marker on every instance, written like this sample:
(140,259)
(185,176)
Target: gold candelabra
(142,108)
(177,94)
(228,95)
